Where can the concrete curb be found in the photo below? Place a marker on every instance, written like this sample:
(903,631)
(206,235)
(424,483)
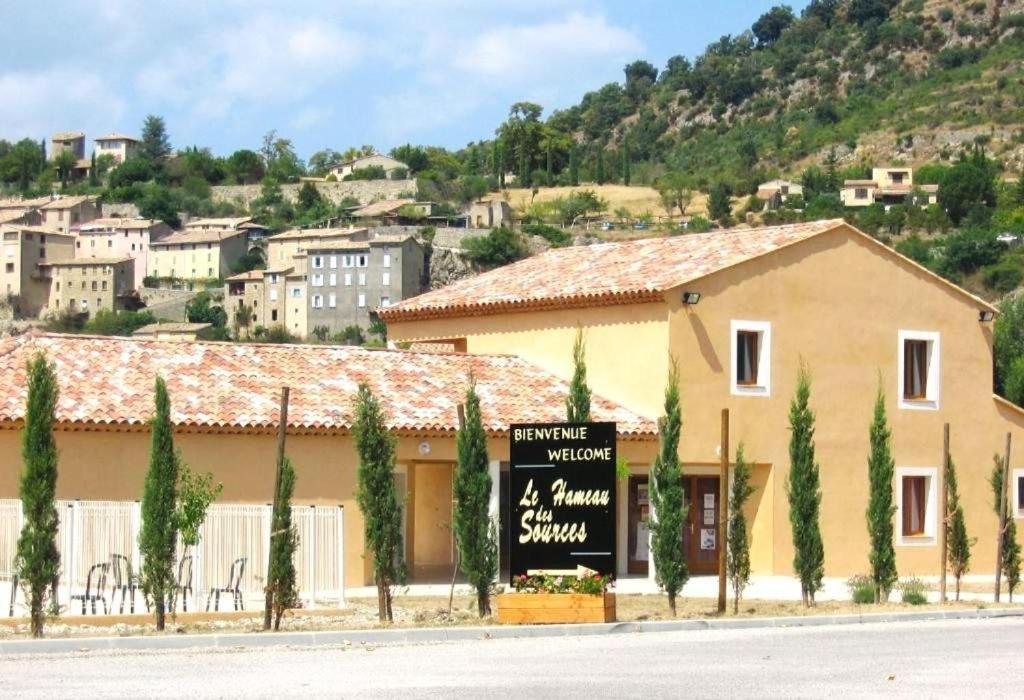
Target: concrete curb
(450,634)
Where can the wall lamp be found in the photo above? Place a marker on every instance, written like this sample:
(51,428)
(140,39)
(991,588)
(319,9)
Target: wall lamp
(986,315)
(691,297)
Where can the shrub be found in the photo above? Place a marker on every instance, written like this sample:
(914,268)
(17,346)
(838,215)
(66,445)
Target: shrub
(555,236)
(698,224)
(862,589)
(956,56)
(544,583)
(1004,276)
(913,591)
(500,247)
(945,14)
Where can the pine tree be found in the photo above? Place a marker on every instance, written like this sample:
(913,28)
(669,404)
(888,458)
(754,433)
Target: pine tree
(1011,550)
(155,145)
(738,555)
(94,179)
(476,533)
(574,166)
(669,512)
(881,507)
(957,542)
(38,559)
(282,585)
(577,404)
(377,499)
(159,533)
(804,490)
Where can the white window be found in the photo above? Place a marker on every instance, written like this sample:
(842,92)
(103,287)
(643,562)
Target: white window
(751,358)
(361,260)
(318,301)
(318,280)
(385,279)
(916,506)
(333,279)
(918,374)
(385,301)
(273,278)
(85,303)
(348,279)
(318,262)
(362,279)
(332,300)
(273,295)
(297,292)
(387,259)
(333,262)
(346,261)
(362,300)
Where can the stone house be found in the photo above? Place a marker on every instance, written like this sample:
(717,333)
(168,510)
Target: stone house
(118,146)
(490,214)
(193,255)
(23,249)
(64,213)
(71,141)
(119,237)
(389,164)
(89,285)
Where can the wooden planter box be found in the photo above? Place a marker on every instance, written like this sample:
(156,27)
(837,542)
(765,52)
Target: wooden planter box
(553,608)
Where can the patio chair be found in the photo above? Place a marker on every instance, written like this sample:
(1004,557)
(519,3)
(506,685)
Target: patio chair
(125,581)
(184,583)
(94,588)
(234,586)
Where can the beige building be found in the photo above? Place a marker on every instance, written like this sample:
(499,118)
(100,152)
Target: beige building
(490,214)
(89,285)
(774,193)
(194,255)
(64,213)
(740,312)
(119,146)
(887,186)
(389,164)
(283,247)
(120,237)
(296,304)
(71,141)
(263,292)
(23,249)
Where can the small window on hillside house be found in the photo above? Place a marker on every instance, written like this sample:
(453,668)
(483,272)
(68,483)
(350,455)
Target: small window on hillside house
(915,369)
(915,499)
(747,343)
(861,193)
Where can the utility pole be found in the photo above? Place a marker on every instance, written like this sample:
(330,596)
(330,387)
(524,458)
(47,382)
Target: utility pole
(1002,517)
(282,431)
(944,509)
(723,510)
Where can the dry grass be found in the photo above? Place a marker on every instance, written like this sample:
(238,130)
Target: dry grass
(639,200)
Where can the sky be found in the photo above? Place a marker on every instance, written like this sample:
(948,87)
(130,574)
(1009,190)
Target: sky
(329,73)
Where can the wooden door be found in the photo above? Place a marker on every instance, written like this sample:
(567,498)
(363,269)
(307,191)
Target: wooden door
(703,519)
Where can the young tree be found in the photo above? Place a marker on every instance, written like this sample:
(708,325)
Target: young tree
(804,490)
(476,533)
(959,545)
(196,492)
(669,512)
(881,507)
(282,585)
(577,404)
(38,561)
(382,517)
(738,555)
(1011,549)
(159,533)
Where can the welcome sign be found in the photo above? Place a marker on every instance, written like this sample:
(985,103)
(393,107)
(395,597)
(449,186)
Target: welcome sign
(562,497)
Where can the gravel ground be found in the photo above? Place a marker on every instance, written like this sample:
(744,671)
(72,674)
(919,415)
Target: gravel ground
(951,659)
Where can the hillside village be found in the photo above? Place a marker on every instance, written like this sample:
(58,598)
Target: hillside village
(809,237)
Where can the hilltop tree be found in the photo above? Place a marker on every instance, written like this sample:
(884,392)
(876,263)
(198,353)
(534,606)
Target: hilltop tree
(959,545)
(769,26)
(159,534)
(476,533)
(738,554)
(38,561)
(881,507)
(245,166)
(804,491)
(377,498)
(282,586)
(669,507)
(520,135)
(640,78)
(577,404)
(155,143)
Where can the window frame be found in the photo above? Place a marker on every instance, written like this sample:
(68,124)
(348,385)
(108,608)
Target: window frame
(763,384)
(930,400)
(928,537)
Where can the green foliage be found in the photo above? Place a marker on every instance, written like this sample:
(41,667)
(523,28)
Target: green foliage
(557,237)
(377,499)
(1014,382)
(738,555)
(277,334)
(282,580)
(913,591)
(969,182)
(476,532)
(155,144)
(1004,276)
(159,533)
(1011,550)
(200,309)
(370,172)
(580,203)
(122,323)
(245,167)
(196,492)
(65,321)
(719,203)
(669,507)
(577,404)
(881,506)
(499,247)
(1008,341)
(804,491)
(968,250)
(21,163)
(587,584)
(350,335)
(38,561)
(862,590)
(957,542)
(674,190)
(131,171)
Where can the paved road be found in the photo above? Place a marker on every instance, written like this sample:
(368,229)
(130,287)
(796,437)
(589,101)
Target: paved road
(959,658)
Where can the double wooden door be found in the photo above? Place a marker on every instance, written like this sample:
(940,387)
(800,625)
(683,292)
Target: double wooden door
(700,540)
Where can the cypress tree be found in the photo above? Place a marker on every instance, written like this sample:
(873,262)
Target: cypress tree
(501,165)
(524,170)
(599,168)
(738,555)
(495,161)
(476,533)
(959,545)
(159,534)
(577,404)
(377,499)
(804,490)
(574,166)
(550,170)
(283,586)
(881,507)
(1011,548)
(94,180)
(669,512)
(38,561)
(626,175)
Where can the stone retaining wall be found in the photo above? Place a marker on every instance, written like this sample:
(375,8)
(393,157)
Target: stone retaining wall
(365,191)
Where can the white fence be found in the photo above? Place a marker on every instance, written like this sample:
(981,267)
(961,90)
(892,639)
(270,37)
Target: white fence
(94,532)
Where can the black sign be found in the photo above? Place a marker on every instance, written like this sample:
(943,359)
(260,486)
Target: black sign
(562,497)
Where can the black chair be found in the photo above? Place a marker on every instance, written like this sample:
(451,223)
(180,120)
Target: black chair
(94,590)
(125,581)
(184,584)
(234,586)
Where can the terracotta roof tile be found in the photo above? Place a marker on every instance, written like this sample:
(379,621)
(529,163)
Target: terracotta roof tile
(316,233)
(110,381)
(609,272)
(214,235)
(68,202)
